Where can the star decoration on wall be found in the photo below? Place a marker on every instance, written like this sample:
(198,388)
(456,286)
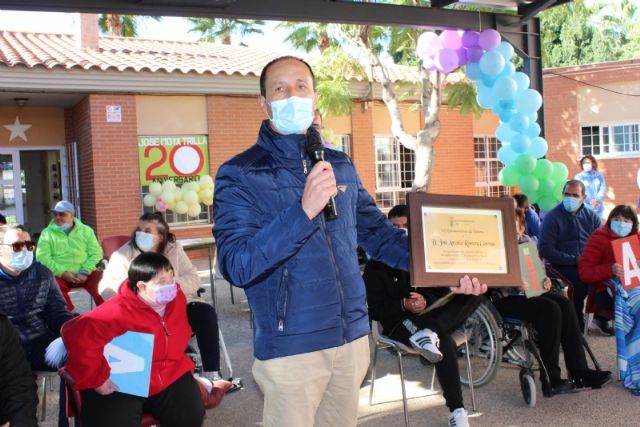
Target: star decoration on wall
(18,130)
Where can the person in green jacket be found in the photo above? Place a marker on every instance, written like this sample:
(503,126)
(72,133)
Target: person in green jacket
(71,251)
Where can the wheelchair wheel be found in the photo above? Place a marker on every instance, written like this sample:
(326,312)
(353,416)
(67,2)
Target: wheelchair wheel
(528,387)
(484,338)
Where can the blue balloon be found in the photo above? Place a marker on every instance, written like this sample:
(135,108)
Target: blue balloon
(508,71)
(533,117)
(504,88)
(492,63)
(485,99)
(522,80)
(519,122)
(507,104)
(528,101)
(506,155)
(488,81)
(504,133)
(533,130)
(520,143)
(538,147)
(473,71)
(506,50)
(506,114)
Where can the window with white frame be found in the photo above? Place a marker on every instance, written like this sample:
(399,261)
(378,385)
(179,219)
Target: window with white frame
(394,171)
(343,143)
(611,140)
(485,149)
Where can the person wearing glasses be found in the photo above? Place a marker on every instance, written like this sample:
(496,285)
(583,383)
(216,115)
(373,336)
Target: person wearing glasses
(70,250)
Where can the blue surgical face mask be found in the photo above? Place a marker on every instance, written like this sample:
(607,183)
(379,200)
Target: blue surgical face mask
(64,227)
(586,167)
(292,115)
(145,241)
(571,204)
(621,228)
(22,260)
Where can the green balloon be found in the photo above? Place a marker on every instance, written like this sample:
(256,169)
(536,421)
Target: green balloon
(547,203)
(546,187)
(557,190)
(544,169)
(533,197)
(560,172)
(525,164)
(528,184)
(509,176)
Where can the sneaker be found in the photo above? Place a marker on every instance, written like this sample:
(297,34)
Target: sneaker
(426,342)
(603,326)
(593,379)
(563,387)
(459,418)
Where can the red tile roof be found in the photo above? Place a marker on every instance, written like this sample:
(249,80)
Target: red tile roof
(133,54)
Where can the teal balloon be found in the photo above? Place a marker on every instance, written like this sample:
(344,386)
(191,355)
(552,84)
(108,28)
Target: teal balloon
(525,164)
(546,187)
(504,133)
(528,184)
(528,101)
(533,130)
(506,155)
(520,143)
(504,88)
(538,147)
(522,80)
(519,122)
(492,63)
(485,99)
(544,169)
(560,172)
(506,50)
(473,71)
(508,176)
(547,203)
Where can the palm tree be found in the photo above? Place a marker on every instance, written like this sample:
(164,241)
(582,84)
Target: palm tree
(309,36)
(212,30)
(122,25)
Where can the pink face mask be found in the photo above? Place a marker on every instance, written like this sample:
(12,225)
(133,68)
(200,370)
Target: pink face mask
(164,294)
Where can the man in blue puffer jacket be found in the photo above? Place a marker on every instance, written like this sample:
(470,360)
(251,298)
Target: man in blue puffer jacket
(299,270)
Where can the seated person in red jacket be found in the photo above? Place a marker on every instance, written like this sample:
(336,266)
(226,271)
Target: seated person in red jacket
(392,302)
(597,262)
(149,301)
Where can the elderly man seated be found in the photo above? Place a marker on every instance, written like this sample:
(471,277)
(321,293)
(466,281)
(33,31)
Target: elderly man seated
(70,250)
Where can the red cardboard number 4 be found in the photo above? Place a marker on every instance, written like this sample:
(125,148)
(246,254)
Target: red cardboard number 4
(627,253)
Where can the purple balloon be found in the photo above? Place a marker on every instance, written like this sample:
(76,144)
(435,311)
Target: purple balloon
(451,39)
(447,60)
(489,39)
(462,56)
(428,44)
(469,39)
(474,54)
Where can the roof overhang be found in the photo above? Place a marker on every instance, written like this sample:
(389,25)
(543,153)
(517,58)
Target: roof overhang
(338,11)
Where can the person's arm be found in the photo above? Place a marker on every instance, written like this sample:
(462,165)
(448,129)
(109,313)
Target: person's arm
(248,248)
(602,189)
(116,271)
(55,312)
(44,253)
(592,267)
(186,273)
(377,236)
(532,221)
(18,395)
(94,250)
(547,246)
(382,305)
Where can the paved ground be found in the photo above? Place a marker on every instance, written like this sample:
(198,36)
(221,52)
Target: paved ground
(500,403)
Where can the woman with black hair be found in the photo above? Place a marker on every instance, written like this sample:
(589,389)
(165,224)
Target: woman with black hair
(594,183)
(153,235)
(149,301)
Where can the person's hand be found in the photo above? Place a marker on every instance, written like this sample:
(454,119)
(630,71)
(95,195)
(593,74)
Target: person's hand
(415,303)
(81,278)
(546,283)
(618,271)
(320,186)
(69,277)
(469,286)
(7,424)
(107,388)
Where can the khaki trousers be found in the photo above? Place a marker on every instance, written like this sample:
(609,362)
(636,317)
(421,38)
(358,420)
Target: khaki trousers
(319,389)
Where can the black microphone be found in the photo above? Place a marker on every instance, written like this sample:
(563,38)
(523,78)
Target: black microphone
(315,150)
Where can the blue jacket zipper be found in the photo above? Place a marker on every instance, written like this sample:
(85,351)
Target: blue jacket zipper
(282,307)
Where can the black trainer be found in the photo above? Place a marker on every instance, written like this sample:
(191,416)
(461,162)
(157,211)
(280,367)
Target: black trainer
(563,387)
(592,378)
(603,325)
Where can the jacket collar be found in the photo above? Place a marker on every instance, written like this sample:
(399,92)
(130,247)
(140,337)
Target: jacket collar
(288,146)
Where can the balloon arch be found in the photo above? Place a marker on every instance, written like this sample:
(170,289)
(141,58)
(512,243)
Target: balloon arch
(506,92)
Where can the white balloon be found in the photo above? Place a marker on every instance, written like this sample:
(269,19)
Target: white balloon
(155,188)
(149,200)
(194,210)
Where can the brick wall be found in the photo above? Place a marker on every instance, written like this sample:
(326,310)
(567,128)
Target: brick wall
(363,150)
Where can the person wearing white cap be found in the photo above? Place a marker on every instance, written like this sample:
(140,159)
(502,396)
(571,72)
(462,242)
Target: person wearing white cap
(70,250)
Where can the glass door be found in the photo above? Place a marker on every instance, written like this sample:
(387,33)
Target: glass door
(10,186)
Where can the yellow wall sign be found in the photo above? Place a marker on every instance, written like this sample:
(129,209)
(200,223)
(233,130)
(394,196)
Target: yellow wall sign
(181,158)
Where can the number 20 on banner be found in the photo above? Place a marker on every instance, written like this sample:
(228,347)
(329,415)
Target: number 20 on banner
(184,160)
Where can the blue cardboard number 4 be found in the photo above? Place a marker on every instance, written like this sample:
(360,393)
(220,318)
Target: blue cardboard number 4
(129,357)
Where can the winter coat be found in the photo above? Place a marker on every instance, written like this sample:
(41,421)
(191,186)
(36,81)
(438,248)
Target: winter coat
(116,272)
(301,276)
(595,188)
(85,337)
(77,251)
